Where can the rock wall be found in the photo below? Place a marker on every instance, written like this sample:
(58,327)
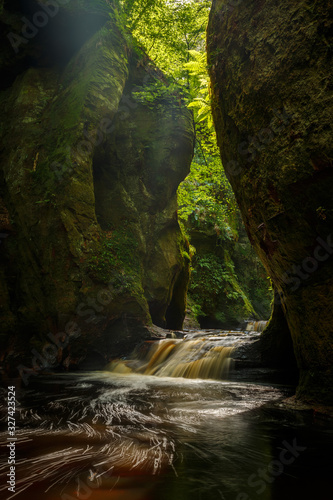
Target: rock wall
(91,159)
(228,283)
(270,67)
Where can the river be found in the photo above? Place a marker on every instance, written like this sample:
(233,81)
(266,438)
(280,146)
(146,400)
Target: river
(132,436)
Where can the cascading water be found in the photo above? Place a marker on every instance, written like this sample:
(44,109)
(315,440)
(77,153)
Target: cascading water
(204,357)
(158,427)
(256,326)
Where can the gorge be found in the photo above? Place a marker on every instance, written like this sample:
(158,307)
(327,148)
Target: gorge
(166,249)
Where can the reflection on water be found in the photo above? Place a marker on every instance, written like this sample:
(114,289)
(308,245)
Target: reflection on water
(105,436)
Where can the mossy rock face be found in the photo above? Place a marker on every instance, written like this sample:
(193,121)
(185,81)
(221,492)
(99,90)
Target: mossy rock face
(88,183)
(270,68)
(228,284)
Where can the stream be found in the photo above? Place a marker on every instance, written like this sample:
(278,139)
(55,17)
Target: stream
(135,436)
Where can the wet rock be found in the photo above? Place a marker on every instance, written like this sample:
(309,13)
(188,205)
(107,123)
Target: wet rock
(90,166)
(270,68)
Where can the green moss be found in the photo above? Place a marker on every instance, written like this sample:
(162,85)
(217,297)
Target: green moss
(215,289)
(84,86)
(211,220)
(97,216)
(116,260)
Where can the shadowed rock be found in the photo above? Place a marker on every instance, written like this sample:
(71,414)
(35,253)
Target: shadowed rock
(91,160)
(270,68)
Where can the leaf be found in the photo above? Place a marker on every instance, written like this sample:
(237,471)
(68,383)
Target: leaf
(194,104)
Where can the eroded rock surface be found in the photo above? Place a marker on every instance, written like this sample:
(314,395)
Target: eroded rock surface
(270,67)
(91,159)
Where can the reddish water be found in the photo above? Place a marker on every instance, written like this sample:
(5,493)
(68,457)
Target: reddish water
(102,436)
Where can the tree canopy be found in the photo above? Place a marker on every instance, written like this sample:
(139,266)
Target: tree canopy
(172,33)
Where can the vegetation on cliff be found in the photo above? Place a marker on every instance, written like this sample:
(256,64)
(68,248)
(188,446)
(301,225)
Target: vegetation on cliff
(90,184)
(88,187)
(228,283)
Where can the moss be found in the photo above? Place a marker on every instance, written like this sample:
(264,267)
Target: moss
(90,185)
(211,220)
(117,252)
(228,283)
(85,85)
(216,292)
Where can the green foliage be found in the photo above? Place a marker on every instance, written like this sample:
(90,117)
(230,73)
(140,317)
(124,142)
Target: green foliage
(211,274)
(168,30)
(201,104)
(156,94)
(213,278)
(255,282)
(206,201)
(172,33)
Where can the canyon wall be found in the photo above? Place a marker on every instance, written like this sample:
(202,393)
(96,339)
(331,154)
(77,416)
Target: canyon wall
(94,146)
(271,80)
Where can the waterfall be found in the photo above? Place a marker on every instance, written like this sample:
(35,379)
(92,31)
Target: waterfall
(202,357)
(256,326)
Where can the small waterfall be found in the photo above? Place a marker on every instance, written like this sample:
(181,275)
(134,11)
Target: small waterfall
(203,358)
(256,326)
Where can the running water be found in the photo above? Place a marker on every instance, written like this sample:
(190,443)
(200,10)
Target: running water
(204,357)
(106,435)
(256,326)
